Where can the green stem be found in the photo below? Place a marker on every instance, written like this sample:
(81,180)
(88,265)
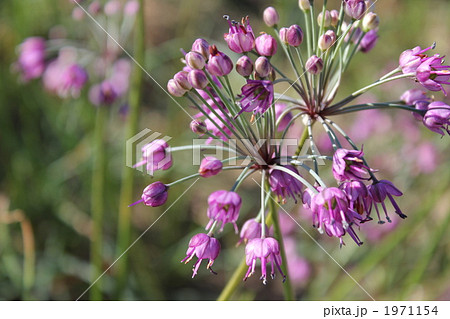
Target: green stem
(302,141)
(234,282)
(126,192)
(97,201)
(288,290)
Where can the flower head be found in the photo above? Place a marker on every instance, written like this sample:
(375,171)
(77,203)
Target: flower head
(251,229)
(437,118)
(359,199)
(410,59)
(156,156)
(256,96)
(204,247)
(154,195)
(349,165)
(285,185)
(224,207)
(268,251)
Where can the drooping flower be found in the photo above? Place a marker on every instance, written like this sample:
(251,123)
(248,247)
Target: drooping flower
(240,37)
(331,213)
(154,195)
(31,61)
(349,165)
(432,74)
(210,166)
(251,229)
(256,96)
(268,251)
(437,117)
(224,207)
(359,199)
(156,156)
(379,191)
(204,247)
(285,185)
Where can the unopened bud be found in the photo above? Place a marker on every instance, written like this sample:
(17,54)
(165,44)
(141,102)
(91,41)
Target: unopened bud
(244,66)
(324,18)
(181,79)
(198,79)
(266,45)
(195,60)
(198,127)
(314,65)
(326,40)
(334,14)
(304,5)
(294,35)
(201,46)
(370,21)
(271,17)
(262,66)
(174,89)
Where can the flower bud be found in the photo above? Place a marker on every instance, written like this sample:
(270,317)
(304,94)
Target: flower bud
(314,65)
(244,66)
(201,46)
(304,5)
(325,20)
(368,41)
(155,194)
(219,63)
(174,89)
(198,79)
(94,8)
(334,14)
(262,66)
(131,7)
(112,7)
(181,79)
(326,40)
(198,127)
(294,35)
(355,8)
(370,21)
(271,17)
(266,45)
(210,166)
(195,60)
(282,34)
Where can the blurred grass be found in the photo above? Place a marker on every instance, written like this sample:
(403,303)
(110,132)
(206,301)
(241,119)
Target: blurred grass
(46,158)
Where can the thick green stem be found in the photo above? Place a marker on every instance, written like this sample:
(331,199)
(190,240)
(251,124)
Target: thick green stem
(288,290)
(126,192)
(302,141)
(234,282)
(97,201)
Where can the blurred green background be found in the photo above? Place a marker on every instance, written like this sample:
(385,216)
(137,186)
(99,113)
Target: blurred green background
(46,154)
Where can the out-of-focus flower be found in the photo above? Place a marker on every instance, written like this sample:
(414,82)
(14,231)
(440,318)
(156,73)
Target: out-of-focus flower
(279,110)
(103,94)
(368,41)
(31,61)
(156,156)
(271,17)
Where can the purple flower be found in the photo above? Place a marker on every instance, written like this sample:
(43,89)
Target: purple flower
(224,208)
(283,184)
(266,45)
(331,213)
(251,229)
(240,37)
(198,127)
(131,7)
(268,251)
(195,60)
(244,66)
(120,77)
(292,36)
(263,67)
(379,191)
(348,165)
(31,61)
(201,46)
(270,17)
(326,40)
(437,118)
(358,198)
(279,109)
(155,156)
(154,195)
(419,99)
(174,88)
(103,94)
(219,63)
(256,96)
(432,74)
(210,166)
(204,247)
(73,78)
(410,59)
(355,8)
(369,41)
